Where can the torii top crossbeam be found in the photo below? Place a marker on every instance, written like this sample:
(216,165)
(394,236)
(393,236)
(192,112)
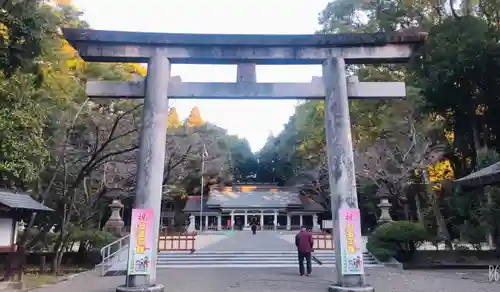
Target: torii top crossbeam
(355,48)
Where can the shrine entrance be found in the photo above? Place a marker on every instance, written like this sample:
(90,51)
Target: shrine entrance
(333,52)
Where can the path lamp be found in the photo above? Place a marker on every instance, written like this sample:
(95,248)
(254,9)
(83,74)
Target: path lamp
(204,154)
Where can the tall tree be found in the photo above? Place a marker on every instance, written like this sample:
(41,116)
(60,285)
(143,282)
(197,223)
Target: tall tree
(194,119)
(22,26)
(173,119)
(243,161)
(463,70)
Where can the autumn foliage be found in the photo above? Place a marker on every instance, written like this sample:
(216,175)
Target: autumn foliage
(194,119)
(173,119)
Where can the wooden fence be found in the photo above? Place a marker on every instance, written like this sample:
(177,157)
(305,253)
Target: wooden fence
(323,241)
(176,241)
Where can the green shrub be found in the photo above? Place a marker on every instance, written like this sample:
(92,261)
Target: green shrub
(461,247)
(44,243)
(102,238)
(93,238)
(398,239)
(475,234)
(380,252)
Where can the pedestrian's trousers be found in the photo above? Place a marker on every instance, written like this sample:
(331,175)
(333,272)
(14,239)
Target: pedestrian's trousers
(307,257)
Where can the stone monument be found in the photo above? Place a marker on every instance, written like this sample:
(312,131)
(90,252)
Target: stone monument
(191,227)
(332,51)
(115,224)
(316,227)
(21,226)
(384,205)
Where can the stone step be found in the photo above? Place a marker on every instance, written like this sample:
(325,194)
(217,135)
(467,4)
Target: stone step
(245,265)
(259,257)
(242,259)
(247,259)
(246,256)
(201,258)
(238,262)
(199,252)
(245,252)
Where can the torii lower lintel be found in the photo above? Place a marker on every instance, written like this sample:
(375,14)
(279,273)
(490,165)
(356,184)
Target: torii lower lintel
(239,91)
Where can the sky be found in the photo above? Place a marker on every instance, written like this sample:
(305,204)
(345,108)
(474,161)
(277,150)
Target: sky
(253,120)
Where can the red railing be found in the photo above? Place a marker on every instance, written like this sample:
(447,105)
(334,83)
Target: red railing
(323,241)
(176,241)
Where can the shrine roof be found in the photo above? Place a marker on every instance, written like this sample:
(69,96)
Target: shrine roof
(21,201)
(486,176)
(76,35)
(253,196)
(193,204)
(309,204)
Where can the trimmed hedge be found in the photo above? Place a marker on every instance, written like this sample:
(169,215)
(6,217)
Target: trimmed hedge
(397,239)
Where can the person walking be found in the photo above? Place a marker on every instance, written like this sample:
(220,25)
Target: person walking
(304,243)
(254,228)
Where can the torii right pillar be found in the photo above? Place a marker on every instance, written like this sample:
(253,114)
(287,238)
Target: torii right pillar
(342,180)
(345,211)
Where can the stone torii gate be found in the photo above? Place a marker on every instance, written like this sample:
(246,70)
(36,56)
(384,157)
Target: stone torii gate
(160,50)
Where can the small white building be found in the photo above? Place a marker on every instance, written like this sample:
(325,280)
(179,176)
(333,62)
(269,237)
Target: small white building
(15,207)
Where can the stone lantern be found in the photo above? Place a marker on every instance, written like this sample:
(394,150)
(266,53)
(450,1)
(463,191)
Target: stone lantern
(384,206)
(115,222)
(21,226)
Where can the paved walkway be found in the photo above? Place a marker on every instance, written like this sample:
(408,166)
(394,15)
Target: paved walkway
(204,240)
(246,241)
(287,280)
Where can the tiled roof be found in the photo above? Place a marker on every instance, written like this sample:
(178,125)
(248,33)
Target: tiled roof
(21,201)
(309,204)
(486,176)
(193,204)
(253,196)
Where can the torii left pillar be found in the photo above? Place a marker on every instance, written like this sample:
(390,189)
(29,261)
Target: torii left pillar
(151,160)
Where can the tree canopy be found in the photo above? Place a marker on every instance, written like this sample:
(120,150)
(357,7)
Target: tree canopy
(75,154)
(406,149)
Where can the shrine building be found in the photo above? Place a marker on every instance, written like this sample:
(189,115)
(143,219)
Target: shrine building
(269,207)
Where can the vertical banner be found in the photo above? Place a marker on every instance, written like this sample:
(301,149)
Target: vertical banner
(351,242)
(141,242)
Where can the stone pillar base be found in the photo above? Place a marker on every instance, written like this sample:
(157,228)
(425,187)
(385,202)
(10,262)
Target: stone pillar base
(155,288)
(336,288)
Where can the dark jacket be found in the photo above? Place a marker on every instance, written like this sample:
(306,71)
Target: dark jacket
(304,241)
